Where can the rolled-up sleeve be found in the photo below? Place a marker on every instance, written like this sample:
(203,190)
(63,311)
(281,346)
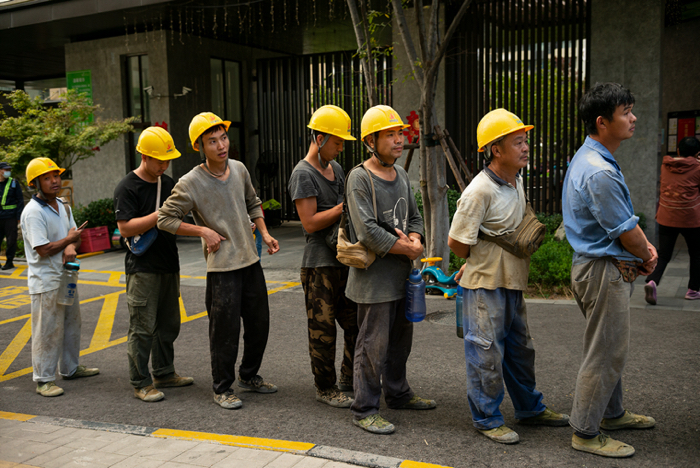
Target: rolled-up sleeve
(173,211)
(364,222)
(606,196)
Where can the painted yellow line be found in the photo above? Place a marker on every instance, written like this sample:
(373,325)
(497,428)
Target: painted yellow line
(16,416)
(284,286)
(15,347)
(184,318)
(103,330)
(90,254)
(237,441)
(15,319)
(16,274)
(415,464)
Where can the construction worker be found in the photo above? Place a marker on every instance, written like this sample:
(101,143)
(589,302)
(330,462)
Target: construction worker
(316,187)
(385,337)
(497,345)
(153,277)
(10,212)
(50,240)
(220,195)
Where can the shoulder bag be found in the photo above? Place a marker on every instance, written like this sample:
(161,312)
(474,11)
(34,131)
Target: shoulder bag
(139,244)
(526,238)
(355,254)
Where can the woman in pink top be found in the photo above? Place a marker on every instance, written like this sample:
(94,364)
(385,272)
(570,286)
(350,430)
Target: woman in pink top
(679,213)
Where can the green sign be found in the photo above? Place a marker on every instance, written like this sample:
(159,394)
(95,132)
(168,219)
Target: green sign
(81,81)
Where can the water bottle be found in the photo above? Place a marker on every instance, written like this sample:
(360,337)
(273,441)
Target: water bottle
(69,284)
(459,316)
(415,296)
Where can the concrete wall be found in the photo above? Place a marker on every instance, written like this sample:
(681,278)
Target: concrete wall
(681,69)
(96,177)
(406,91)
(625,47)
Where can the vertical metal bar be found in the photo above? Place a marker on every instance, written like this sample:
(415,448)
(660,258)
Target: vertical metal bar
(550,13)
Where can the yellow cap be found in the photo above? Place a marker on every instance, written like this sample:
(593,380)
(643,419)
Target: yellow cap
(157,143)
(496,124)
(40,166)
(380,118)
(203,122)
(332,120)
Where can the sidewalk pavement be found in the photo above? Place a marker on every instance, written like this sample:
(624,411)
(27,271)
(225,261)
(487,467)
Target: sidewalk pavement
(28,441)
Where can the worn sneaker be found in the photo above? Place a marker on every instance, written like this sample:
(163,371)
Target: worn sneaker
(345,384)
(628,421)
(172,381)
(48,389)
(502,435)
(547,418)
(333,397)
(375,424)
(148,394)
(257,384)
(82,371)
(228,400)
(692,295)
(650,293)
(418,403)
(602,445)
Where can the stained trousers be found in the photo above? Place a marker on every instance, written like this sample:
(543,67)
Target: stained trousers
(8,230)
(55,336)
(154,324)
(383,346)
(603,298)
(324,290)
(232,296)
(498,348)
(667,241)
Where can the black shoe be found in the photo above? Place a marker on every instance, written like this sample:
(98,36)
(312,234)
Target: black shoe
(7,266)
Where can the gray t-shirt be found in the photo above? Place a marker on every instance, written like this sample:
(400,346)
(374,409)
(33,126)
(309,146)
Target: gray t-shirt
(385,279)
(306,182)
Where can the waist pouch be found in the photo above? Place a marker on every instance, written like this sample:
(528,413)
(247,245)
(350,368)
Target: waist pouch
(629,269)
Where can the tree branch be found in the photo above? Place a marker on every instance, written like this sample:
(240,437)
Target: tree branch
(362,37)
(422,43)
(448,36)
(407,42)
(433,32)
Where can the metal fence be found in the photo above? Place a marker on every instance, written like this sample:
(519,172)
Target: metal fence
(530,57)
(290,89)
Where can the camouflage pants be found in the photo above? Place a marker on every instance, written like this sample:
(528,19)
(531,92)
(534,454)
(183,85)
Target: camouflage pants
(324,289)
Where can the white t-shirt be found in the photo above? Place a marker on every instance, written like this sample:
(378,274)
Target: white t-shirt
(41,224)
(495,207)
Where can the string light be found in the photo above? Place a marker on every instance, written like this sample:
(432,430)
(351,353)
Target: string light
(215,25)
(172,30)
(126,33)
(136,31)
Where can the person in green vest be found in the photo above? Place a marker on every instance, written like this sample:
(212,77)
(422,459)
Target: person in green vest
(11,205)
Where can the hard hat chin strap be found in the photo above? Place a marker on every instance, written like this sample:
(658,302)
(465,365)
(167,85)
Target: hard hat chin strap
(324,164)
(374,152)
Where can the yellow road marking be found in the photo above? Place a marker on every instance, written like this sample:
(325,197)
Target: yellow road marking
(103,330)
(15,319)
(184,318)
(236,441)
(15,347)
(415,464)
(16,416)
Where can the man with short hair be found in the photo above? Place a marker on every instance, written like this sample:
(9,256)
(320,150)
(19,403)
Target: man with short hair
(497,342)
(220,195)
(316,187)
(395,234)
(152,277)
(11,205)
(609,250)
(51,239)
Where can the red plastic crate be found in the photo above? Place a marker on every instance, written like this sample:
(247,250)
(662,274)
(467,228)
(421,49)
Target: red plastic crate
(94,240)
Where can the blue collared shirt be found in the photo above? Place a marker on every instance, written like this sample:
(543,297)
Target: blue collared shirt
(596,204)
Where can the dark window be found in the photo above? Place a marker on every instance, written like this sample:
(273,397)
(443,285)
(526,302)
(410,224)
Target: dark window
(137,102)
(226,101)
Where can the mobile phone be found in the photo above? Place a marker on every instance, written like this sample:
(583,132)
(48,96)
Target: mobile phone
(82,225)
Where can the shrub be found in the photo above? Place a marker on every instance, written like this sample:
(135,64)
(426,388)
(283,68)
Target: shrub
(551,264)
(20,248)
(97,213)
(551,222)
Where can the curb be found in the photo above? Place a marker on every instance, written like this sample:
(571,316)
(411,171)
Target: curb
(275,445)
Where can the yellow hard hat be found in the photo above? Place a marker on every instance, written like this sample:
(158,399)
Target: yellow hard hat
(332,120)
(496,124)
(157,143)
(380,118)
(203,122)
(40,166)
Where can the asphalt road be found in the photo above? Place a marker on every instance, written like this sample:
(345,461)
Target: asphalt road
(661,378)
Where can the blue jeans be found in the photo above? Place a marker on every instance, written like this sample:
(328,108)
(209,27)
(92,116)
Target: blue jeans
(498,347)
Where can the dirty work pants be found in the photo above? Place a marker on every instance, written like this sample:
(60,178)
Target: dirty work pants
(154,324)
(382,349)
(8,230)
(604,299)
(498,347)
(667,242)
(232,296)
(324,290)
(55,336)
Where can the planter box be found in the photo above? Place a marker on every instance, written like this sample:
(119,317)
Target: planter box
(94,240)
